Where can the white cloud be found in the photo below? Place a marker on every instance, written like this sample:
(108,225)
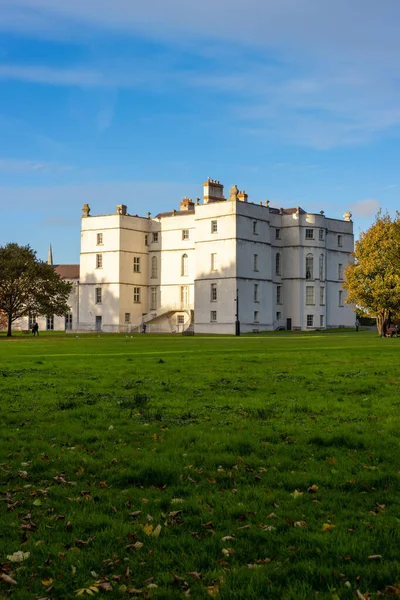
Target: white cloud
(31,166)
(365,208)
(333,83)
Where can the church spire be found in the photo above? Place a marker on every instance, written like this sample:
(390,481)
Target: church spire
(50,256)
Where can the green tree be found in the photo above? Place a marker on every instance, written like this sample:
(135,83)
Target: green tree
(29,285)
(373,279)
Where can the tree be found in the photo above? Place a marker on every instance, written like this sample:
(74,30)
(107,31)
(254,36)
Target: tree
(29,285)
(373,279)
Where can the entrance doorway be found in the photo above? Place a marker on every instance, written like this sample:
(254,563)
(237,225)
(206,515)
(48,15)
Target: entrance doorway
(289,324)
(98,323)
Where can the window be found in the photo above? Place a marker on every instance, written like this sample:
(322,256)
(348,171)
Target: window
(99,239)
(309,266)
(256,292)
(339,240)
(31,321)
(127,317)
(321,267)
(98,295)
(136,264)
(277,234)
(340,298)
(255,262)
(98,323)
(310,320)
(153,299)
(321,320)
(181,319)
(213,316)
(309,294)
(213,262)
(256,316)
(136,295)
(68,322)
(321,235)
(279,294)
(184,265)
(255,228)
(214,226)
(340,271)
(278,316)
(309,234)
(50,323)
(155,236)
(185,234)
(99,261)
(213,292)
(146,240)
(278,264)
(154,267)
(322,296)
(185,295)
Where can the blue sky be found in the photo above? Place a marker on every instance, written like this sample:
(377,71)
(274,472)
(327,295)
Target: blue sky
(138,102)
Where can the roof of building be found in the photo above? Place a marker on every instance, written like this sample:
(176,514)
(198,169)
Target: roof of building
(287,211)
(175,213)
(67,271)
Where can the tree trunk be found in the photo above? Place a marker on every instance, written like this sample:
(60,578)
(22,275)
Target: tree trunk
(9,325)
(381,323)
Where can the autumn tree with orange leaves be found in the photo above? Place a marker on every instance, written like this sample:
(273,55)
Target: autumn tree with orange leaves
(372,281)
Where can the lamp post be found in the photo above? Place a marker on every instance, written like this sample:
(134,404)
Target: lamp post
(237,322)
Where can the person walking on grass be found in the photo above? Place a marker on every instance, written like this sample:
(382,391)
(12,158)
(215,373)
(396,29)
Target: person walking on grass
(357,324)
(35,329)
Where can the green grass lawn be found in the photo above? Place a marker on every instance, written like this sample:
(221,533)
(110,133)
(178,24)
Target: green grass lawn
(167,467)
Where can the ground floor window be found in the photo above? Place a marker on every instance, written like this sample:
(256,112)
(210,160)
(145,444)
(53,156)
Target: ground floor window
(153,305)
(98,323)
(310,320)
(68,321)
(278,316)
(213,316)
(31,321)
(50,323)
(256,316)
(321,320)
(127,317)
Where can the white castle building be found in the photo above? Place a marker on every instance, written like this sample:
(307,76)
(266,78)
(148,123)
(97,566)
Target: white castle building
(210,264)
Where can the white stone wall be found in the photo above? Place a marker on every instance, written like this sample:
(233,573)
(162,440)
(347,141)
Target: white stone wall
(243,231)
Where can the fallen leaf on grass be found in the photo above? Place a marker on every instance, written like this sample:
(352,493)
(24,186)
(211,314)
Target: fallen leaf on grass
(313,489)
(228,551)
(360,596)
(300,524)
(90,591)
(47,582)
(227,538)
(296,494)
(7,579)
(18,556)
(273,515)
(328,527)
(374,556)
(195,575)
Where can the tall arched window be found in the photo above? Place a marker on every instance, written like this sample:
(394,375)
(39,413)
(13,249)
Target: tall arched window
(278,264)
(154,267)
(321,267)
(184,265)
(309,266)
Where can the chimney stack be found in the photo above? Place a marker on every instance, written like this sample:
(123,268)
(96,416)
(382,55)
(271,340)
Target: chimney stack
(186,204)
(213,191)
(242,196)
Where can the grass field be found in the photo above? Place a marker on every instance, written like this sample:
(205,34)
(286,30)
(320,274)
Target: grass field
(167,467)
